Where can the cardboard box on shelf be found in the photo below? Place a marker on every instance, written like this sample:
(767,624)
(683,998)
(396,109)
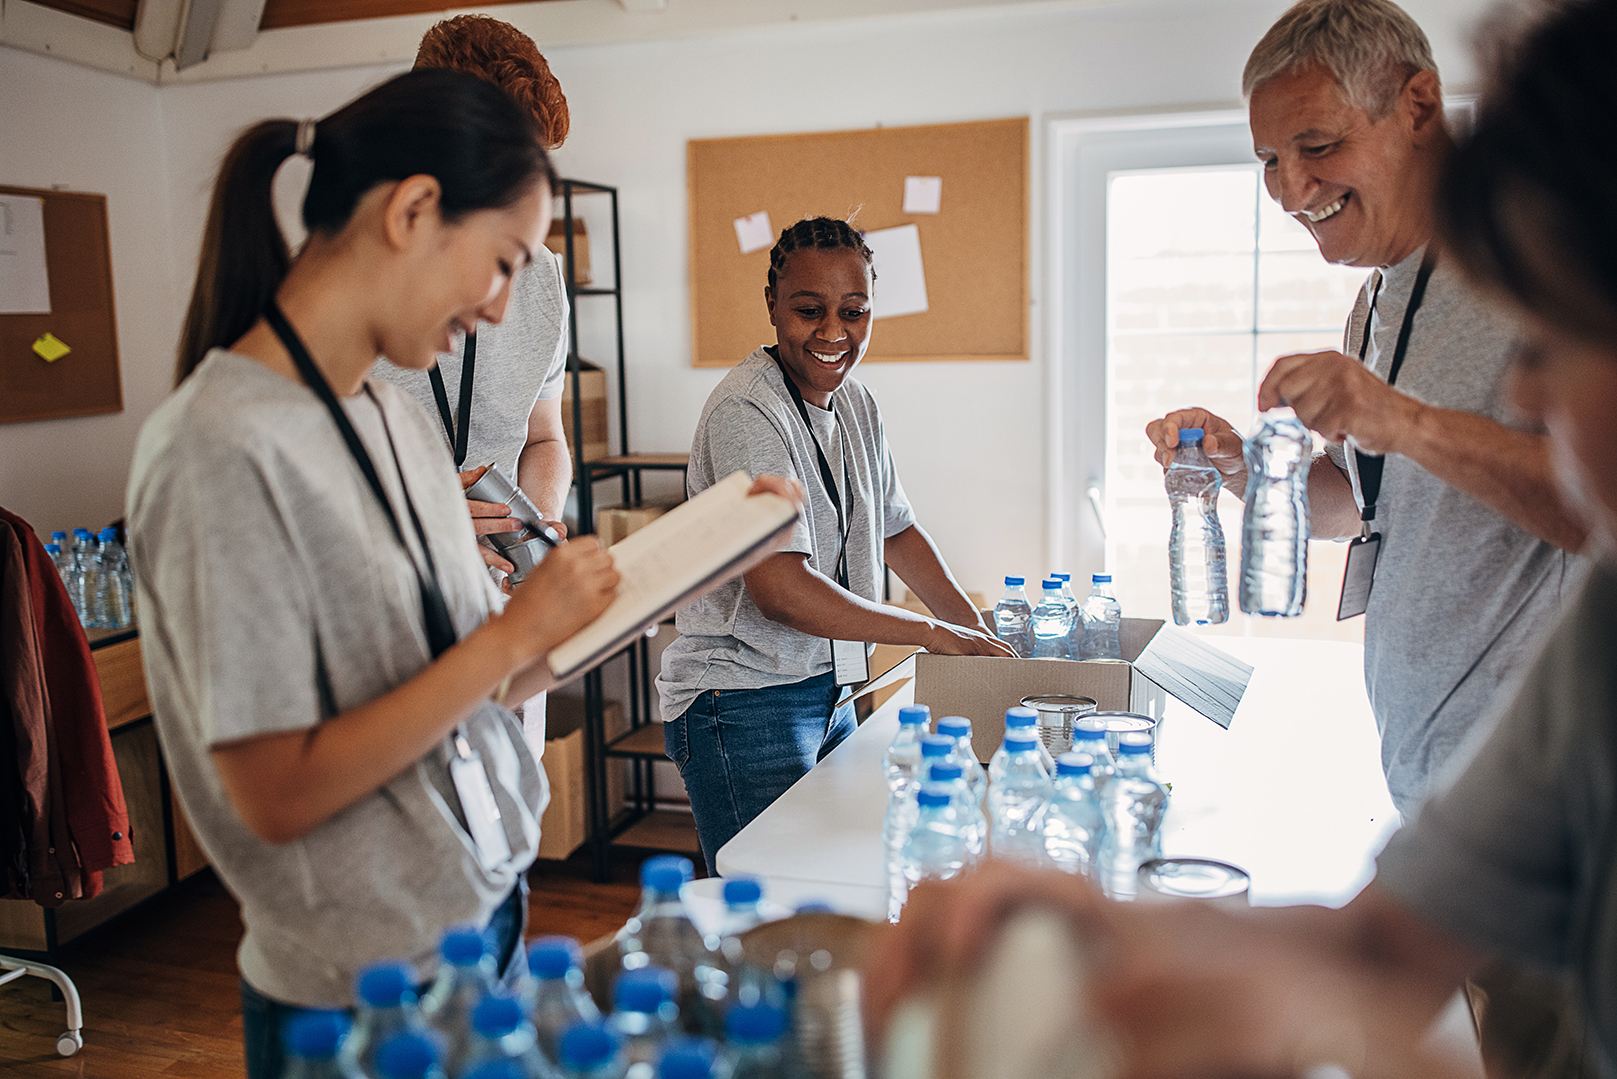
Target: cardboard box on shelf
(592,394)
(566,823)
(613,523)
(1158,659)
(556,240)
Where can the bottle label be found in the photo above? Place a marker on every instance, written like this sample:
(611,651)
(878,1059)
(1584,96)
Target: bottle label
(1358,576)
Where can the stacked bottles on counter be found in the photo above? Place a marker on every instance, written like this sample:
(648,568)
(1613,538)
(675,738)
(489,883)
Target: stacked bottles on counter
(95,570)
(1084,812)
(1059,627)
(685,1006)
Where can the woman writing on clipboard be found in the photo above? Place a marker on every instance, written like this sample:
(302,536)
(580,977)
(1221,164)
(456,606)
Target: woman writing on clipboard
(752,688)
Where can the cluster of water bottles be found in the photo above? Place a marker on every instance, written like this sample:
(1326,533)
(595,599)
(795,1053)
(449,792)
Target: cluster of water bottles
(685,1006)
(1086,812)
(1274,528)
(1059,627)
(96,571)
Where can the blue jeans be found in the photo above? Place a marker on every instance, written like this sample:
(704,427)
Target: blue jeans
(739,749)
(263,1021)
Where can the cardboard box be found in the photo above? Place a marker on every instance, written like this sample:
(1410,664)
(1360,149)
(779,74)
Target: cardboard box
(556,240)
(615,522)
(566,823)
(1158,659)
(592,392)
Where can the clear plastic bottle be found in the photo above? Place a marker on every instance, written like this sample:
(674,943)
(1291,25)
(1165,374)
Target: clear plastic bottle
(495,1069)
(1134,800)
(63,561)
(1074,826)
(743,912)
(1274,529)
(313,1044)
(386,1005)
(973,821)
(1013,617)
(688,1058)
(409,1055)
(1103,617)
(1052,623)
(1018,719)
(1089,738)
(753,1036)
(902,761)
(935,849)
(1075,636)
(902,810)
(645,1016)
(959,728)
(559,999)
(592,1051)
(661,933)
(89,577)
(1196,572)
(112,582)
(500,1032)
(465,976)
(1016,800)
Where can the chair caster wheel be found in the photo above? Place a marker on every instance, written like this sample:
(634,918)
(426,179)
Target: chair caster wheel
(69,1043)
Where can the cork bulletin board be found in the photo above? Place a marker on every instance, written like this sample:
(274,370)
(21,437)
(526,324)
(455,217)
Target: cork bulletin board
(83,381)
(974,249)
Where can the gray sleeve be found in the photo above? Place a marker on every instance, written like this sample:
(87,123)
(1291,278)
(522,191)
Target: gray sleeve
(555,294)
(739,435)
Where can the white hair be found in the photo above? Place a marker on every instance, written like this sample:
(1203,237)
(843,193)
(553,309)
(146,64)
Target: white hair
(1371,47)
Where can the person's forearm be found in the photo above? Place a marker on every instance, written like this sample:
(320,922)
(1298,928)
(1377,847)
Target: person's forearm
(545,472)
(1332,511)
(913,556)
(1508,471)
(812,603)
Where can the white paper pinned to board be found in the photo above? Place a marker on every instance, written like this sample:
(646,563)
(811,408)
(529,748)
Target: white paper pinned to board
(900,278)
(923,194)
(24,285)
(754,233)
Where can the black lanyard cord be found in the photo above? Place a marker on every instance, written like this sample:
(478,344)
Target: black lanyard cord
(457,428)
(844,519)
(440,628)
(1370,468)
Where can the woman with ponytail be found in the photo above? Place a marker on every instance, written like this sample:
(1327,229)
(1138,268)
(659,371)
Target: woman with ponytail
(320,635)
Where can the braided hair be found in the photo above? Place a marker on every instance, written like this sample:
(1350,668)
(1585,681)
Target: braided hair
(825,233)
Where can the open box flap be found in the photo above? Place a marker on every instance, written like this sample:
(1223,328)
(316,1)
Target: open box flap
(1208,680)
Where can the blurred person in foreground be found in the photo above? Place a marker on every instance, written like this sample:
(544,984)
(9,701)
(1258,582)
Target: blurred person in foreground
(1515,854)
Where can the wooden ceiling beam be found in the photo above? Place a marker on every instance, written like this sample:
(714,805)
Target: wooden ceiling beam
(283,13)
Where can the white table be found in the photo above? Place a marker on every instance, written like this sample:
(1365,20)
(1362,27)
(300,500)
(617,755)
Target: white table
(1293,792)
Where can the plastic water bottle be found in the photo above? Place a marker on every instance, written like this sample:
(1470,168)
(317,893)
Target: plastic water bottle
(495,1069)
(465,977)
(592,1051)
(935,849)
(409,1055)
(753,1041)
(1017,719)
(687,1058)
(1016,800)
(1274,529)
(959,728)
(1134,800)
(1013,617)
(501,1033)
(743,911)
(1075,636)
(386,1006)
(1196,546)
(313,1041)
(902,811)
(661,933)
(1089,738)
(645,1016)
(1074,826)
(1103,617)
(1052,623)
(63,561)
(85,553)
(559,999)
(973,822)
(902,761)
(112,582)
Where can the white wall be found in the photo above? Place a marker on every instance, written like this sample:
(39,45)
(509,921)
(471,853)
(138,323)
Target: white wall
(979,488)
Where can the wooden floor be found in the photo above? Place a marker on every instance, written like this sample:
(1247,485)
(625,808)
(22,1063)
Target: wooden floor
(159,986)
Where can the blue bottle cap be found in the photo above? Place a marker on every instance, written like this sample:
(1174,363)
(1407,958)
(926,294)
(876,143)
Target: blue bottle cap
(937,745)
(1074,764)
(1189,434)
(1062,576)
(946,773)
(1102,578)
(496,1069)
(932,796)
(108,533)
(756,1024)
(586,1045)
(1052,584)
(1020,717)
(955,726)
(496,1016)
(740,891)
(1134,742)
(666,872)
(912,714)
(1016,582)
(315,1035)
(81,532)
(59,536)
(1019,740)
(406,1055)
(53,548)
(686,1058)
(644,990)
(815,906)
(386,985)
(462,947)
(553,957)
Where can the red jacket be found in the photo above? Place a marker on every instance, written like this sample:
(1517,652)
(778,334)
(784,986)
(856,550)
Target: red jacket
(61,797)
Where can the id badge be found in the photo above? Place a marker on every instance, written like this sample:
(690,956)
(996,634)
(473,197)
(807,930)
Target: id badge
(851,662)
(477,802)
(1358,576)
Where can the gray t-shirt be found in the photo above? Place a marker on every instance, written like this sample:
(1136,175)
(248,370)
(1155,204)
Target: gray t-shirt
(1461,594)
(1517,854)
(274,597)
(750,423)
(520,360)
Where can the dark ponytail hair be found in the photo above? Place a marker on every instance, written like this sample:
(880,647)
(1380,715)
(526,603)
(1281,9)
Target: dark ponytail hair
(479,144)
(825,233)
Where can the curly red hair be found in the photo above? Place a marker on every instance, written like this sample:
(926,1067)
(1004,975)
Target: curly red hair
(505,56)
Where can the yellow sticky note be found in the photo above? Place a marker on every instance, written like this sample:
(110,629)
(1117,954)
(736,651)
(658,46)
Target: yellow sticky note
(50,348)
